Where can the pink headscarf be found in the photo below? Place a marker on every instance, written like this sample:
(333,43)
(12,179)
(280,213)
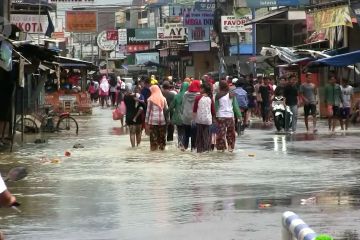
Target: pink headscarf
(157,97)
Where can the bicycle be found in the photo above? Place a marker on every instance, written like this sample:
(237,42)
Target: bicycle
(46,122)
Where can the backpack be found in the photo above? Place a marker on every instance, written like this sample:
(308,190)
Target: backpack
(241,97)
(203,115)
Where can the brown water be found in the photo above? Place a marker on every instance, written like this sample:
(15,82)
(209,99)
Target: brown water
(109,191)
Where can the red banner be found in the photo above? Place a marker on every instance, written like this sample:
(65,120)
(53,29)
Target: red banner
(112,35)
(137,48)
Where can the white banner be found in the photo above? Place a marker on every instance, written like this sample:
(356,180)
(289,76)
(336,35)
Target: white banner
(122,39)
(172,31)
(230,24)
(30,23)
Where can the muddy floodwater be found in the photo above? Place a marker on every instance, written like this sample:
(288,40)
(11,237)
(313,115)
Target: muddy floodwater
(107,190)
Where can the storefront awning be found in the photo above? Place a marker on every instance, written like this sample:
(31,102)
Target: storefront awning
(73,63)
(269,16)
(341,60)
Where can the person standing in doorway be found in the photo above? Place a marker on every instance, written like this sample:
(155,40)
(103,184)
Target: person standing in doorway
(156,119)
(291,94)
(347,93)
(308,93)
(333,100)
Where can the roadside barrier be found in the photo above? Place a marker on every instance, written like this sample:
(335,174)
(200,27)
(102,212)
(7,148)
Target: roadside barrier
(293,228)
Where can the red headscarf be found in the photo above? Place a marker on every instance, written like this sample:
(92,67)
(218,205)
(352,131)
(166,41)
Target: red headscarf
(194,86)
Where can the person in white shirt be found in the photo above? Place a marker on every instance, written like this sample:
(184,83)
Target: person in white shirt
(6,198)
(347,92)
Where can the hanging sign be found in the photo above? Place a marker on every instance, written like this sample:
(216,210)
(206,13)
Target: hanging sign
(30,23)
(104,44)
(199,18)
(332,17)
(112,35)
(199,33)
(205,6)
(235,24)
(122,36)
(172,31)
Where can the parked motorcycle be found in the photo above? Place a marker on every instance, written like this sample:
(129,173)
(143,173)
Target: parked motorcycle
(282,114)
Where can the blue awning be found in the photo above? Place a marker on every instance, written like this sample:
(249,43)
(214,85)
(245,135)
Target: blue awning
(341,60)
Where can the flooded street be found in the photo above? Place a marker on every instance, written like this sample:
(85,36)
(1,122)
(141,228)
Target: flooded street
(107,190)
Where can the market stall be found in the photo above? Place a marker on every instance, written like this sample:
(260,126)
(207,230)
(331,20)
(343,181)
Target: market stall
(66,90)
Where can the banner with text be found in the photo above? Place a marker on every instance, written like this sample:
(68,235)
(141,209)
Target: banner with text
(142,58)
(30,23)
(231,24)
(332,17)
(172,31)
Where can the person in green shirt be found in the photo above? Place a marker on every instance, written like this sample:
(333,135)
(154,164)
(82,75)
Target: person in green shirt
(333,100)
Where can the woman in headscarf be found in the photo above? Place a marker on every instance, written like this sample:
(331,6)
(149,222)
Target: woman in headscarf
(104,91)
(156,119)
(187,114)
(176,110)
(226,110)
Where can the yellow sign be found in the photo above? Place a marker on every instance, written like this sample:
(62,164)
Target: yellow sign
(332,17)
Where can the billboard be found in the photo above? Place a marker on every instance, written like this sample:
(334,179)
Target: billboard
(270,3)
(145,34)
(231,24)
(30,23)
(142,58)
(122,36)
(81,21)
(172,31)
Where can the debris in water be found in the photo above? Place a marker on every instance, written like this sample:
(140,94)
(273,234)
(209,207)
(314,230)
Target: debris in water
(67,154)
(39,141)
(308,201)
(251,155)
(78,145)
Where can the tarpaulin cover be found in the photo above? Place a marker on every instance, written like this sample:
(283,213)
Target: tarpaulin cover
(341,60)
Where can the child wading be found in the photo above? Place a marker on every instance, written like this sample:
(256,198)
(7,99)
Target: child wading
(204,112)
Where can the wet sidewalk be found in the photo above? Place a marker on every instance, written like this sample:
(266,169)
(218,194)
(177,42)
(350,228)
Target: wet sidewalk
(107,190)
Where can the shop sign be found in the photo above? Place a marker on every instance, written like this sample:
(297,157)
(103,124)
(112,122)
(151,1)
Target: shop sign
(132,40)
(137,48)
(172,31)
(235,24)
(270,3)
(81,21)
(112,35)
(142,58)
(104,44)
(199,33)
(205,6)
(122,36)
(332,17)
(145,34)
(199,18)
(199,46)
(30,23)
